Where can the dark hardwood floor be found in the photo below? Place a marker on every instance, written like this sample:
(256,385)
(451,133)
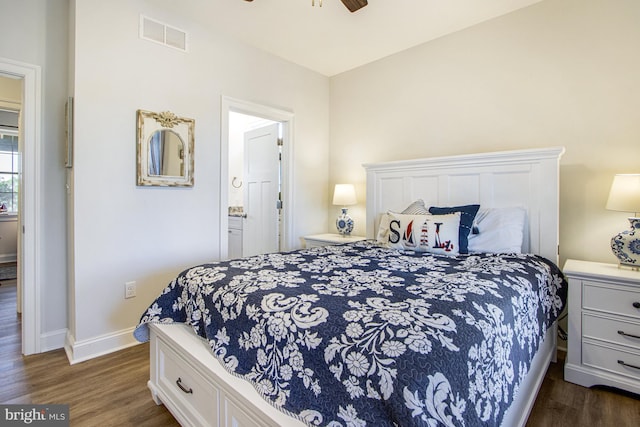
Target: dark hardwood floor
(560,403)
(107,391)
(111,390)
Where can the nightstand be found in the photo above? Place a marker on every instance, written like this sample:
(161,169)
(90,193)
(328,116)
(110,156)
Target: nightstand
(603,344)
(316,240)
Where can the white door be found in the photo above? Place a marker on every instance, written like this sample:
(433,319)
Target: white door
(260,233)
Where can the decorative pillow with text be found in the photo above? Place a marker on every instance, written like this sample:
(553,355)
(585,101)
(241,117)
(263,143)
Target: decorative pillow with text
(468,213)
(423,233)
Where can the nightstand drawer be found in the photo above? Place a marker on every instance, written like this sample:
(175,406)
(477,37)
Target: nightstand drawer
(197,398)
(610,299)
(611,330)
(617,361)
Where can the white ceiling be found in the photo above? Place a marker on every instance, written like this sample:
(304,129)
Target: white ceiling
(330,39)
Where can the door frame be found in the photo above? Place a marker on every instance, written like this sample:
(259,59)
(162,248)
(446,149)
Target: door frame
(29,217)
(286,118)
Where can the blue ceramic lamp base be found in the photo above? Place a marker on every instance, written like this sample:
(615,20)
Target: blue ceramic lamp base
(344,223)
(626,245)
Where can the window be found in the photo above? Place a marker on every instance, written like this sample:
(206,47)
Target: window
(9,171)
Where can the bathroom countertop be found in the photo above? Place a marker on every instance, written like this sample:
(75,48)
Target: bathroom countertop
(236,211)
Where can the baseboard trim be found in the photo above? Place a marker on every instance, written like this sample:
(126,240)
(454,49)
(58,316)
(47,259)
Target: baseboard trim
(53,340)
(80,351)
(8,258)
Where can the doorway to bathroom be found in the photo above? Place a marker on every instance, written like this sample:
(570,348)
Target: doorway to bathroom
(255,181)
(255,197)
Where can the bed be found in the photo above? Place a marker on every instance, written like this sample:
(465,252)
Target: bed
(389,331)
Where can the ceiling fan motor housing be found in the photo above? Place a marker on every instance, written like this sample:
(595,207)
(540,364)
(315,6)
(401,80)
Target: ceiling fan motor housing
(354,5)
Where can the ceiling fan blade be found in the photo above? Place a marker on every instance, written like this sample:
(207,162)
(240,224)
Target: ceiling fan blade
(354,5)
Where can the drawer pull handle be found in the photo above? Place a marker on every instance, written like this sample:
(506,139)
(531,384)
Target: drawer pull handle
(636,304)
(183,388)
(621,362)
(628,335)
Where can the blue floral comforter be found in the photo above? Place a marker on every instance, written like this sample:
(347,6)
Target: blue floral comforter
(361,335)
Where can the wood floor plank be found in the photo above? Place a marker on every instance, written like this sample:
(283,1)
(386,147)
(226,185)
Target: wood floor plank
(107,391)
(111,390)
(560,403)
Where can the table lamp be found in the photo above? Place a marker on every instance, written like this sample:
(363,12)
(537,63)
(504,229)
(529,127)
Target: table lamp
(344,195)
(625,196)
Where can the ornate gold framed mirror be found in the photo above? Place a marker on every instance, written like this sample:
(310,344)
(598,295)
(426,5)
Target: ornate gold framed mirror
(165,144)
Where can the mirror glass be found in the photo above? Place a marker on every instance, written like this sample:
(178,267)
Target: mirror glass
(165,149)
(166,154)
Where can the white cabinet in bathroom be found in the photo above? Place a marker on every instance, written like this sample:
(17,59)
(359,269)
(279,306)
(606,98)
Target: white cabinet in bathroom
(235,237)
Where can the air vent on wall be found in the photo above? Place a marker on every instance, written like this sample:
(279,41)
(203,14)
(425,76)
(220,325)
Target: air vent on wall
(158,32)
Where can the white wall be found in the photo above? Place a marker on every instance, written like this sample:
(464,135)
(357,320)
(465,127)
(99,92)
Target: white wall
(558,73)
(10,93)
(237,125)
(35,32)
(8,240)
(124,232)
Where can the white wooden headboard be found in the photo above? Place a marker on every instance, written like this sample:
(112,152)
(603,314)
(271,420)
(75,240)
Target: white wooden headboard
(525,178)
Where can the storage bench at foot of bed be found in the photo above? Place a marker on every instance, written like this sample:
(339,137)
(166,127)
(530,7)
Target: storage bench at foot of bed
(196,391)
(219,399)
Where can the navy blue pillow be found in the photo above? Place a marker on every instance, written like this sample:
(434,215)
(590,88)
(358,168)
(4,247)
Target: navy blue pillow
(467,215)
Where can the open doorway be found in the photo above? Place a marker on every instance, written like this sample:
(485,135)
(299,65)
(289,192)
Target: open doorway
(255,187)
(28,217)
(253,124)
(10,303)
(10,105)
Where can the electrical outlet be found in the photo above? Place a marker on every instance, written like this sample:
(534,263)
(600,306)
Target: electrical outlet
(130,289)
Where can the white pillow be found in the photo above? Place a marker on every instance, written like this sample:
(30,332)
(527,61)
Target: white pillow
(416,208)
(500,230)
(421,233)
(383,229)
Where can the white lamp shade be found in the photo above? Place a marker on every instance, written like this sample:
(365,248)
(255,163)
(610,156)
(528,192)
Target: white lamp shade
(625,193)
(344,195)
